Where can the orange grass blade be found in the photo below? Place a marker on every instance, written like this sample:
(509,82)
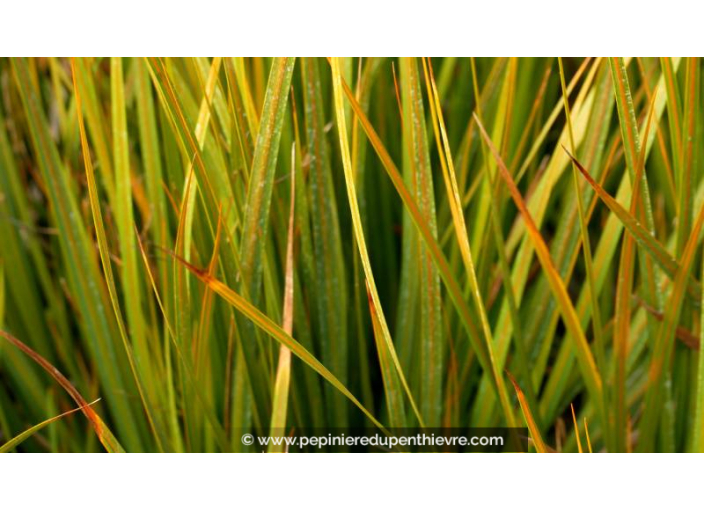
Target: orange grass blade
(530,421)
(105,435)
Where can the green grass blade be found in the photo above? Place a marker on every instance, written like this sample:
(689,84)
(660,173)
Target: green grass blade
(13,443)
(698,423)
(422,275)
(254,233)
(328,261)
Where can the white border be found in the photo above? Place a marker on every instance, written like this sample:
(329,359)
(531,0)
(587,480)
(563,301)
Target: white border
(361,27)
(424,28)
(349,481)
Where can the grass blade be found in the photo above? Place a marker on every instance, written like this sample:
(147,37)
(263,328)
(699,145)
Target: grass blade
(421,273)
(644,238)
(254,233)
(413,209)
(105,254)
(588,367)
(662,350)
(329,264)
(18,439)
(464,244)
(101,430)
(283,372)
(84,278)
(273,330)
(359,235)
(538,442)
